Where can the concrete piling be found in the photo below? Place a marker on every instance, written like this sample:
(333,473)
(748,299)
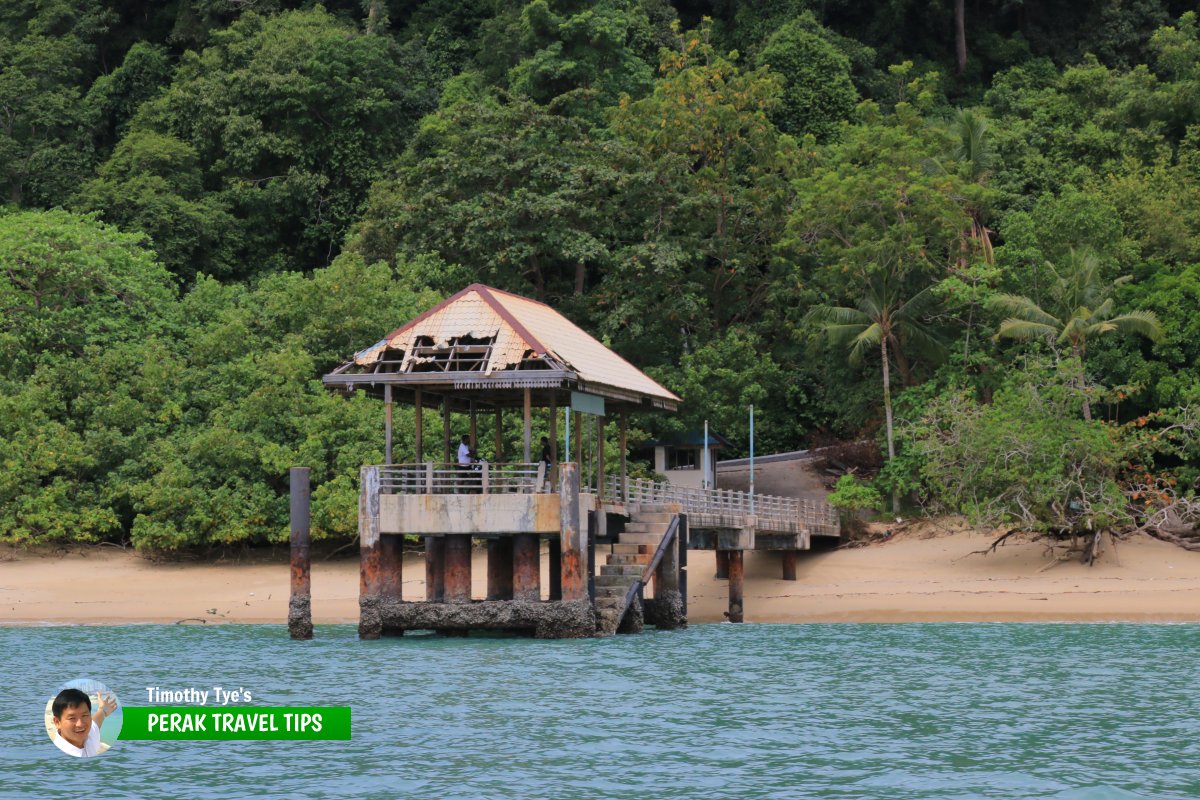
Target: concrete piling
(736,576)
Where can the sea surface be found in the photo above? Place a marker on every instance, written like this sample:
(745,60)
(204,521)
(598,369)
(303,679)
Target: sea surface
(717,711)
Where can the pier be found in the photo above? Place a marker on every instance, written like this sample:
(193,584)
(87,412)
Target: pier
(486,353)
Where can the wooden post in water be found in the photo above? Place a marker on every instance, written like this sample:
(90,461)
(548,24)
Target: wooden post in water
(435,569)
(722,565)
(300,604)
(736,576)
(500,568)
(789,564)
(527,568)
(458,568)
(370,624)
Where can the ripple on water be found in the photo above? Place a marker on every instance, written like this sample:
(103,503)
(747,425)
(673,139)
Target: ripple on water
(1070,712)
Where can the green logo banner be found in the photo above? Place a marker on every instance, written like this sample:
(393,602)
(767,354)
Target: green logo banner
(185,723)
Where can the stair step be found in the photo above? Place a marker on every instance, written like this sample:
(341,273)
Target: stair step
(646,527)
(632,570)
(622,581)
(614,592)
(629,559)
(660,508)
(652,516)
(651,539)
(620,549)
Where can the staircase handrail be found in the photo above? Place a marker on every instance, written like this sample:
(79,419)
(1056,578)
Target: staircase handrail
(667,541)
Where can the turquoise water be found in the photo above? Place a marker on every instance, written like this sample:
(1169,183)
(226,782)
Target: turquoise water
(717,711)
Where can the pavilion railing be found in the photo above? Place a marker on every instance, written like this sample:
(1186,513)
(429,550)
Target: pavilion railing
(483,478)
(816,516)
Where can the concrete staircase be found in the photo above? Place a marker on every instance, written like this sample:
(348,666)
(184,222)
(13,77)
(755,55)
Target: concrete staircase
(629,557)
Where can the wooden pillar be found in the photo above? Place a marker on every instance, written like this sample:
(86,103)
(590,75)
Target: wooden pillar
(789,564)
(527,568)
(577,429)
(473,428)
(446,431)
(736,576)
(553,476)
(555,592)
(387,423)
(528,424)
(722,565)
(418,445)
(500,568)
(624,469)
(370,625)
(300,604)
(498,456)
(458,568)
(435,569)
(572,536)
(391,575)
(600,458)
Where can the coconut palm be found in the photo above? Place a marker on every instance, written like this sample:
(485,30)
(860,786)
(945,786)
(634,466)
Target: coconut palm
(1079,307)
(886,322)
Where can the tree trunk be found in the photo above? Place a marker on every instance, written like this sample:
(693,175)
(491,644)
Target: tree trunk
(887,412)
(1087,406)
(580,277)
(960,35)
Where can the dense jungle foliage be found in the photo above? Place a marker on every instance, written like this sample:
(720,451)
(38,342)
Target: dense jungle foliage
(967,231)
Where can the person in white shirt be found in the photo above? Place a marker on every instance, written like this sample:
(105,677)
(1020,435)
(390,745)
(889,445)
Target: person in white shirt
(77,730)
(465,456)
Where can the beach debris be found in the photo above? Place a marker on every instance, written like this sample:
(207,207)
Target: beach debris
(189,620)
(211,611)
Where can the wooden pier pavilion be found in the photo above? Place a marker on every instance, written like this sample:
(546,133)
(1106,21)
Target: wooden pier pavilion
(488,352)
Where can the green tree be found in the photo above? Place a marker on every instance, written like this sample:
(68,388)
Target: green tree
(291,118)
(886,320)
(818,95)
(70,282)
(1079,308)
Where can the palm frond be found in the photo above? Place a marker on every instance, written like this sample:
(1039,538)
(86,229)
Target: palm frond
(1143,323)
(1024,329)
(825,316)
(1023,308)
(864,342)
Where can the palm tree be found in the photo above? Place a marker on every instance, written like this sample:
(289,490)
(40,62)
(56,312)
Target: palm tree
(883,320)
(974,152)
(1079,307)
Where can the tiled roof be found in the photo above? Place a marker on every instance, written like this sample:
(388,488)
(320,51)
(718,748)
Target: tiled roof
(520,326)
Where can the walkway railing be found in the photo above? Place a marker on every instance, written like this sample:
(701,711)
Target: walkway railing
(818,517)
(482,478)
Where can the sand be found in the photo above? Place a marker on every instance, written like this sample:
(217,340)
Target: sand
(927,575)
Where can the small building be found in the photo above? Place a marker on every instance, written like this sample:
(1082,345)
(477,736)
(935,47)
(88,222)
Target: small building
(680,457)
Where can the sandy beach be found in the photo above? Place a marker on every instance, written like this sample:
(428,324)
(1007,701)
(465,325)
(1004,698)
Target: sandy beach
(928,575)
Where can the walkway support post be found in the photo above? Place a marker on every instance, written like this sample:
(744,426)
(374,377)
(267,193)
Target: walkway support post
(527,568)
(736,576)
(572,536)
(722,565)
(500,568)
(370,623)
(789,564)
(387,423)
(435,569)
(391,575)
(418,443)
(300,604)
(458,568)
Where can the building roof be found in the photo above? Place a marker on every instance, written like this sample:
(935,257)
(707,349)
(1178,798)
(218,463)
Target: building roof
(693,439)
(485,339)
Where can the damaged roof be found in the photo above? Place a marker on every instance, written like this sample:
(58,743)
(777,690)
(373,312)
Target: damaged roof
(487,339)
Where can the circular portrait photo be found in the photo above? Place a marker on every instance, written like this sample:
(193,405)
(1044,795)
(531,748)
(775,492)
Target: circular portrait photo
(83,718)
